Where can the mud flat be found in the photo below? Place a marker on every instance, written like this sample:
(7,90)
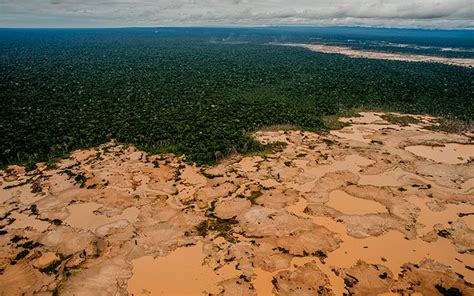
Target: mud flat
(375,208)
(450,153)
(357,53)
(351,205)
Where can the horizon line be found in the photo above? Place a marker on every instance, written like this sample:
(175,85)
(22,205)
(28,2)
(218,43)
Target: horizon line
(230,26)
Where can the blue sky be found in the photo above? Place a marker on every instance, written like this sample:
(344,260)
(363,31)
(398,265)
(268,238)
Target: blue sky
(126,13)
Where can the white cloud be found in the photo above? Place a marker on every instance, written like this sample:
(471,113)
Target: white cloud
(65,13)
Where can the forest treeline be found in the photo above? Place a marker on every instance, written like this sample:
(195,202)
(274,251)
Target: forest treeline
(195,94)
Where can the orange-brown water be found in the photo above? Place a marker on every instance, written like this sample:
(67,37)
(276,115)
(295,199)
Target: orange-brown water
(183,272)
(391,249)
(351,205)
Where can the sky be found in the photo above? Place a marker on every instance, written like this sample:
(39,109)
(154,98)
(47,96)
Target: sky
(134,13)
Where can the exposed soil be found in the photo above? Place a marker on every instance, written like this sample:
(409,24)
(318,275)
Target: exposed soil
(358,53)
(375,208)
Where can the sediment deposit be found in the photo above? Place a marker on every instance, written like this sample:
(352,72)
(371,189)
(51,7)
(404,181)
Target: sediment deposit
(374,208)
(359,53)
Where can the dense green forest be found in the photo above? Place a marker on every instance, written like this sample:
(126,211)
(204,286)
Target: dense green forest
(194,92)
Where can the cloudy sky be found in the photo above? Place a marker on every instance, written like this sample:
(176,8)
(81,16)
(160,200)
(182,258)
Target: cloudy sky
(125,13)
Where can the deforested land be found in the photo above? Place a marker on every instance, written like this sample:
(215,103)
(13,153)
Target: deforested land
(206,161)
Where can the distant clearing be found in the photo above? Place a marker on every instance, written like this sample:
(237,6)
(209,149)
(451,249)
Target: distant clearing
(356,53)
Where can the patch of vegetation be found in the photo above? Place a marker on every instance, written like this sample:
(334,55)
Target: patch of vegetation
(350,281)
(34,209)
(450,125)
(276,147)
(253,197)
(5,216)
(279,127)
(52,163)
(36,186)
(79,178)
(448,292)
(281,250)
(202,228)
(30,166)
(98,247)
(15,239)
(444,233)
(331,122)
(212,208)
(400,120)
(52,267)
(30,245)
(223,227)
(258,149)
(378,142)
(275,282)
(328,142)
(21,255)
(320,254)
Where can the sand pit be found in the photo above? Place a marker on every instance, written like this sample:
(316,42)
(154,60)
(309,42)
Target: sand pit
(363,210)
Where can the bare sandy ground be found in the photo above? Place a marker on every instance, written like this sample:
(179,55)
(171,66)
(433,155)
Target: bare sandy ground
(372,209)
(356,53)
